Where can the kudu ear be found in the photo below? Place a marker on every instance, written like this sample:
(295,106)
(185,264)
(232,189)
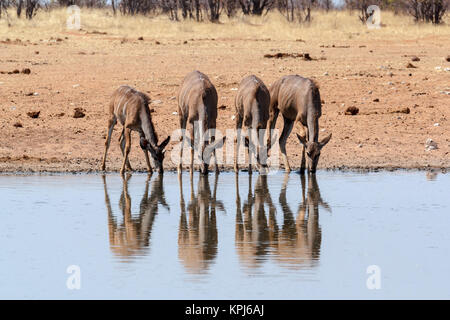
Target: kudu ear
(164,143)
(301,139)
(325,141)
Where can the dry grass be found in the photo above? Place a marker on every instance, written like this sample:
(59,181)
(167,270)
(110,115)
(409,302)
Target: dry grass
(332,25)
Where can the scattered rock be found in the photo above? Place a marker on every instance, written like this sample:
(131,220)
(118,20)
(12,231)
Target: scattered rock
(415,58)
(430,145)
(222,107)
(376,100)
(96,32)
(351,111)
(281,55)
(15,71)
(33,114)
(174,113)
(18,125)
(156,102)
(447,58)
(75,86)
(141,38)
(403,110)
(436,124)
(79,113)
(410,65)
(325,73)
(157,42)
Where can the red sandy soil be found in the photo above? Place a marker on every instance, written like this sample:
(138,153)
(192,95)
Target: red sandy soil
(82,70)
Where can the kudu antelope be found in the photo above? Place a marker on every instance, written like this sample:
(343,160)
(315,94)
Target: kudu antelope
(197,103)
(197,237)
(252,111)
(132,236)
(298,99)
(130,107)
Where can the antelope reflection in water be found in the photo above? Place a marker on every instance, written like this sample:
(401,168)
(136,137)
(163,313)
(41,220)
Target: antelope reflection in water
(197,237)
(296,244)
(255,234)
(131,237)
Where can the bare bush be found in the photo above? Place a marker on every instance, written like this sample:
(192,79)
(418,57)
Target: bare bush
(296,10)
(256,7)
(427,10)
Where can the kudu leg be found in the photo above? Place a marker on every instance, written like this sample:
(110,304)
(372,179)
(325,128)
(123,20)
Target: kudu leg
(216,167)
(127,138)
(287,128)
(182,139)
(111,123)
(249,154)
(303,161)
(271,125)
(122,148)
(147,160)
(191,168)
(237,141)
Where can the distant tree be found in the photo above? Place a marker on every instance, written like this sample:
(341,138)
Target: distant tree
(230,7)
(214,10)
(296,10)
(256,7)
(428,10)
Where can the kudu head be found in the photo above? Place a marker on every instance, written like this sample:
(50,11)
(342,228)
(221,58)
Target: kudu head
(208,150)
(156,151)
(312,149)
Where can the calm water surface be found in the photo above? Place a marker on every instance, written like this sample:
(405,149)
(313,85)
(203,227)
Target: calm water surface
(274,237)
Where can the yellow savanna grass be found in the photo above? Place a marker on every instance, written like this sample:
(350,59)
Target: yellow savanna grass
(331,25)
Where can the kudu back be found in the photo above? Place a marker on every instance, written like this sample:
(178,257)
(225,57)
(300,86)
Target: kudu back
(197,104)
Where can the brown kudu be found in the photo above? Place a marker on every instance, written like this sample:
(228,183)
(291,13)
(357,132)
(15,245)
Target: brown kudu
(252,110)
(298,99)
(197,103)
(130,107)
